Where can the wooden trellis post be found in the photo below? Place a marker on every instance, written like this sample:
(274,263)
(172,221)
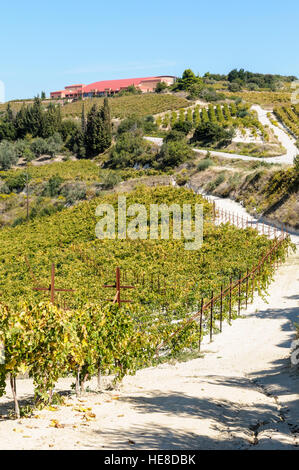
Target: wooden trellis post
(200,324)
(211,318)
(118,287)
(52,289)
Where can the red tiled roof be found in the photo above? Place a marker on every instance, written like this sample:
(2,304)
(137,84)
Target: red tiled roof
(114,85)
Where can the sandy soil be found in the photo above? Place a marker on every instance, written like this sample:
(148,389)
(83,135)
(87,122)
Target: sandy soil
(242,394)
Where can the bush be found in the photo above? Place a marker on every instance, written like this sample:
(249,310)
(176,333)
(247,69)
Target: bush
(234,86)
(174,135)
(16,182)
(8,155)
(174,153)
(204,164)
(130,149)
(38,147)
(212,134)
(52,187)
(183,126)
(74,192)
(109,179)
(54,144)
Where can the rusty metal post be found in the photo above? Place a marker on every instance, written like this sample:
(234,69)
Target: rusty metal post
(118,286)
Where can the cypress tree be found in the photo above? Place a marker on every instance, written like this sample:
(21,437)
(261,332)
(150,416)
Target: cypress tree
(106,120)
(94,131)
(83,119)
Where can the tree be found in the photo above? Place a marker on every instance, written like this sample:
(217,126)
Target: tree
(173,153)
(21,122)
(161,86)
(106,136)
(43,95)
(94,130)
(183,126)
(188,80)
(83,119)
(130,149)
(212,134)
(51,120)
(8,156)
(234,87)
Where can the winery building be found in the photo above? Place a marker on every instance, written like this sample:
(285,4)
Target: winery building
(111,87)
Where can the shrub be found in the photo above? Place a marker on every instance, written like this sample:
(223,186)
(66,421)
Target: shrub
(174,135)
(8,155)
(38,146)
(204,164)
(210,133)
(174,153)
(54,144)
(234,86)
(17,181)
(74,192)
(53,185)
(109,179)
(183,126)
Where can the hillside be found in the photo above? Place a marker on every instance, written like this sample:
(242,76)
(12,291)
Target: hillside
(121,107)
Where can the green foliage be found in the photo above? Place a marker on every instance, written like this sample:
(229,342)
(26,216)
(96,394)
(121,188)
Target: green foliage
(204,164)
(212,134)
(173,153)
(130,149)
(53,185)
(8,155)
(246,78)
(48,342)
(288,116)
(188,81)
(183,126)
(161,86)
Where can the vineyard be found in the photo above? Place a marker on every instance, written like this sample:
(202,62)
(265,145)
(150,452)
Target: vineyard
(263,98)
(121,107)
(124,106)
(225,115)
(169,297)
(289,116)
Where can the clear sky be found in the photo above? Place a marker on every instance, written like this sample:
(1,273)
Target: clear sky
(47,45)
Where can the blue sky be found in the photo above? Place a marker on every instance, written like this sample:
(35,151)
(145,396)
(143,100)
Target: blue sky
(47,45)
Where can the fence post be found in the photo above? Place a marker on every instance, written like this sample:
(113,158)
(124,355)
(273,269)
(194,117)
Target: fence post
(200,324)
(247,280)
(230,300)
(221,304)
(239,295)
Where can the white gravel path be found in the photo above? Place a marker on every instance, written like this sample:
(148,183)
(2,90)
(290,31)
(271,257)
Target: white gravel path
(286,140)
